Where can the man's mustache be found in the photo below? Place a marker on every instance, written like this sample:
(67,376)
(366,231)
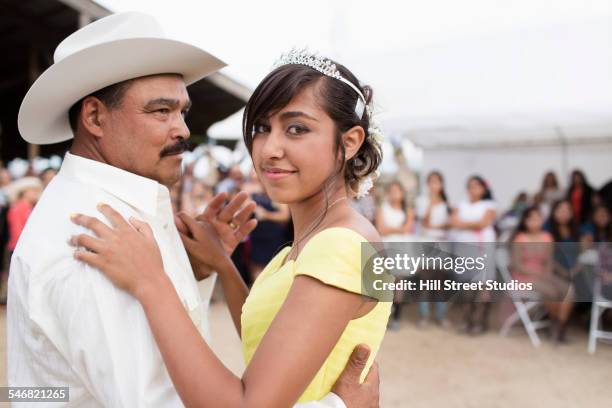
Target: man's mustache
(177,148)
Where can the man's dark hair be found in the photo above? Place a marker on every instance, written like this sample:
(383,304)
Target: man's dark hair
(111,96)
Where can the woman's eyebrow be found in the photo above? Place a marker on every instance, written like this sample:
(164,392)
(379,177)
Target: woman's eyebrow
(295,114)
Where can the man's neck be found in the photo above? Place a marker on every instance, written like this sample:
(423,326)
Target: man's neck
(84,147)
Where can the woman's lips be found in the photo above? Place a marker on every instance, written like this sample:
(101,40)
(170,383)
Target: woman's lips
(277,174)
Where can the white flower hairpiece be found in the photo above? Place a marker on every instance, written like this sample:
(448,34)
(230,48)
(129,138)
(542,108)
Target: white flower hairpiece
(375,132)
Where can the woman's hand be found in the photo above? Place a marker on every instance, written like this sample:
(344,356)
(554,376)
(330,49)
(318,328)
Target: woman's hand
(127,253)
(230,222)
(205,249)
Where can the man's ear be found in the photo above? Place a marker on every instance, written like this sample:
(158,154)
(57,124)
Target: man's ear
(93,115)
(352,140)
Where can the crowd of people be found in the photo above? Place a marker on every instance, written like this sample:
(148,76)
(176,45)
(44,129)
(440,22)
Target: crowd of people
(578,215)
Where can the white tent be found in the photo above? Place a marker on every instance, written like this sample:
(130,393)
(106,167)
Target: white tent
(508,106)
(542,85)
(229,128)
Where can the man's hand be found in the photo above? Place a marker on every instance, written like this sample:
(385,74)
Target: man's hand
(347,387)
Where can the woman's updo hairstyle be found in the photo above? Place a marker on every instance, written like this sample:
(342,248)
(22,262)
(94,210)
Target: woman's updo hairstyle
(335,97)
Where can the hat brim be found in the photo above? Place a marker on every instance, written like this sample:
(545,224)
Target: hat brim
(18,186)
(43,115)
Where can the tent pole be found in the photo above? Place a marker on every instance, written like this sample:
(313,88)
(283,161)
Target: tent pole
(564,152)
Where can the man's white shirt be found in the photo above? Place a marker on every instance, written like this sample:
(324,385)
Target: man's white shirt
(68,325)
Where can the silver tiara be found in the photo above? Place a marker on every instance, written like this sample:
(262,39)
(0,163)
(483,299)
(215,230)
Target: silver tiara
(324,66)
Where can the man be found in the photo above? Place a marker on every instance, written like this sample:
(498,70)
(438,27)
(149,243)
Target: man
(119,87)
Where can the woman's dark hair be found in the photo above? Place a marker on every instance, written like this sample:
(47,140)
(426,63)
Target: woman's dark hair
(555,229)
(397,183)
(550,178)
(602,234)
(587,195)
(487,195)
(336,98)
(522,225)
(438,174)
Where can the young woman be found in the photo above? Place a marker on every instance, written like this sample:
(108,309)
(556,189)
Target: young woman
(532,261)
(394,216)
(472,221)
(599,229)
(580,196)
(309,137)
(549,193)
(432,213)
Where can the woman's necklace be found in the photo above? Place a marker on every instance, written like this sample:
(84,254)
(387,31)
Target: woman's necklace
(295,243)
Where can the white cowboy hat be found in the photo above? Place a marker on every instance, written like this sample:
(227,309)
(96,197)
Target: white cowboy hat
(18,186)
(111,50)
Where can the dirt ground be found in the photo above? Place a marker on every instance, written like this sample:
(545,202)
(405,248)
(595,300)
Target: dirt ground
(437,368)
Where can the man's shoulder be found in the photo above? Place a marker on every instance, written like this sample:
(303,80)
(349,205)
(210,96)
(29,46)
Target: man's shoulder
(49,223)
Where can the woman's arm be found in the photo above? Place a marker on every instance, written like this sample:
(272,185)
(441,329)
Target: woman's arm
(302,335)
(381,227)
(408,225)
(426,222)
(293,349)
(234,290)
(487,219)
(206,252)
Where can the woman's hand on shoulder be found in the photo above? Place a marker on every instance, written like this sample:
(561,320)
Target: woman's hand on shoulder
(126,252)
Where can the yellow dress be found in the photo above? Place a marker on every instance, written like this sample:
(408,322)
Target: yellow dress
(332,256)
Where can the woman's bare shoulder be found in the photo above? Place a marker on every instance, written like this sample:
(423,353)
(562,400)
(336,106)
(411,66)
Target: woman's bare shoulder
(359,224)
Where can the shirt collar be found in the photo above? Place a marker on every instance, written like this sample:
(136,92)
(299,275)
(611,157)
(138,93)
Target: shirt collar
(139,192)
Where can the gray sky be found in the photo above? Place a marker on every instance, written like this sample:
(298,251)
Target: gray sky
(249,35)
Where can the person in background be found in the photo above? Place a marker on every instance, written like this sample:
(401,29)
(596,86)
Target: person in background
(270,234)
(549,193)
(234,180)
(580,196)
(5,180)
(23,195)
(472,222)
(194,202)
(47,175)
(563,228)
(508,222)
(394,216)
(5,177)
(532,261)
(599,229)
(432,214)
(520,203)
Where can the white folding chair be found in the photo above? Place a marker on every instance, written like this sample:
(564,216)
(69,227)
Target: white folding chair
(600,303)
(523,304)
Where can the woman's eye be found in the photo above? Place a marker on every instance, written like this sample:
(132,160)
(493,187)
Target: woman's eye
(296,130)
(260,128)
